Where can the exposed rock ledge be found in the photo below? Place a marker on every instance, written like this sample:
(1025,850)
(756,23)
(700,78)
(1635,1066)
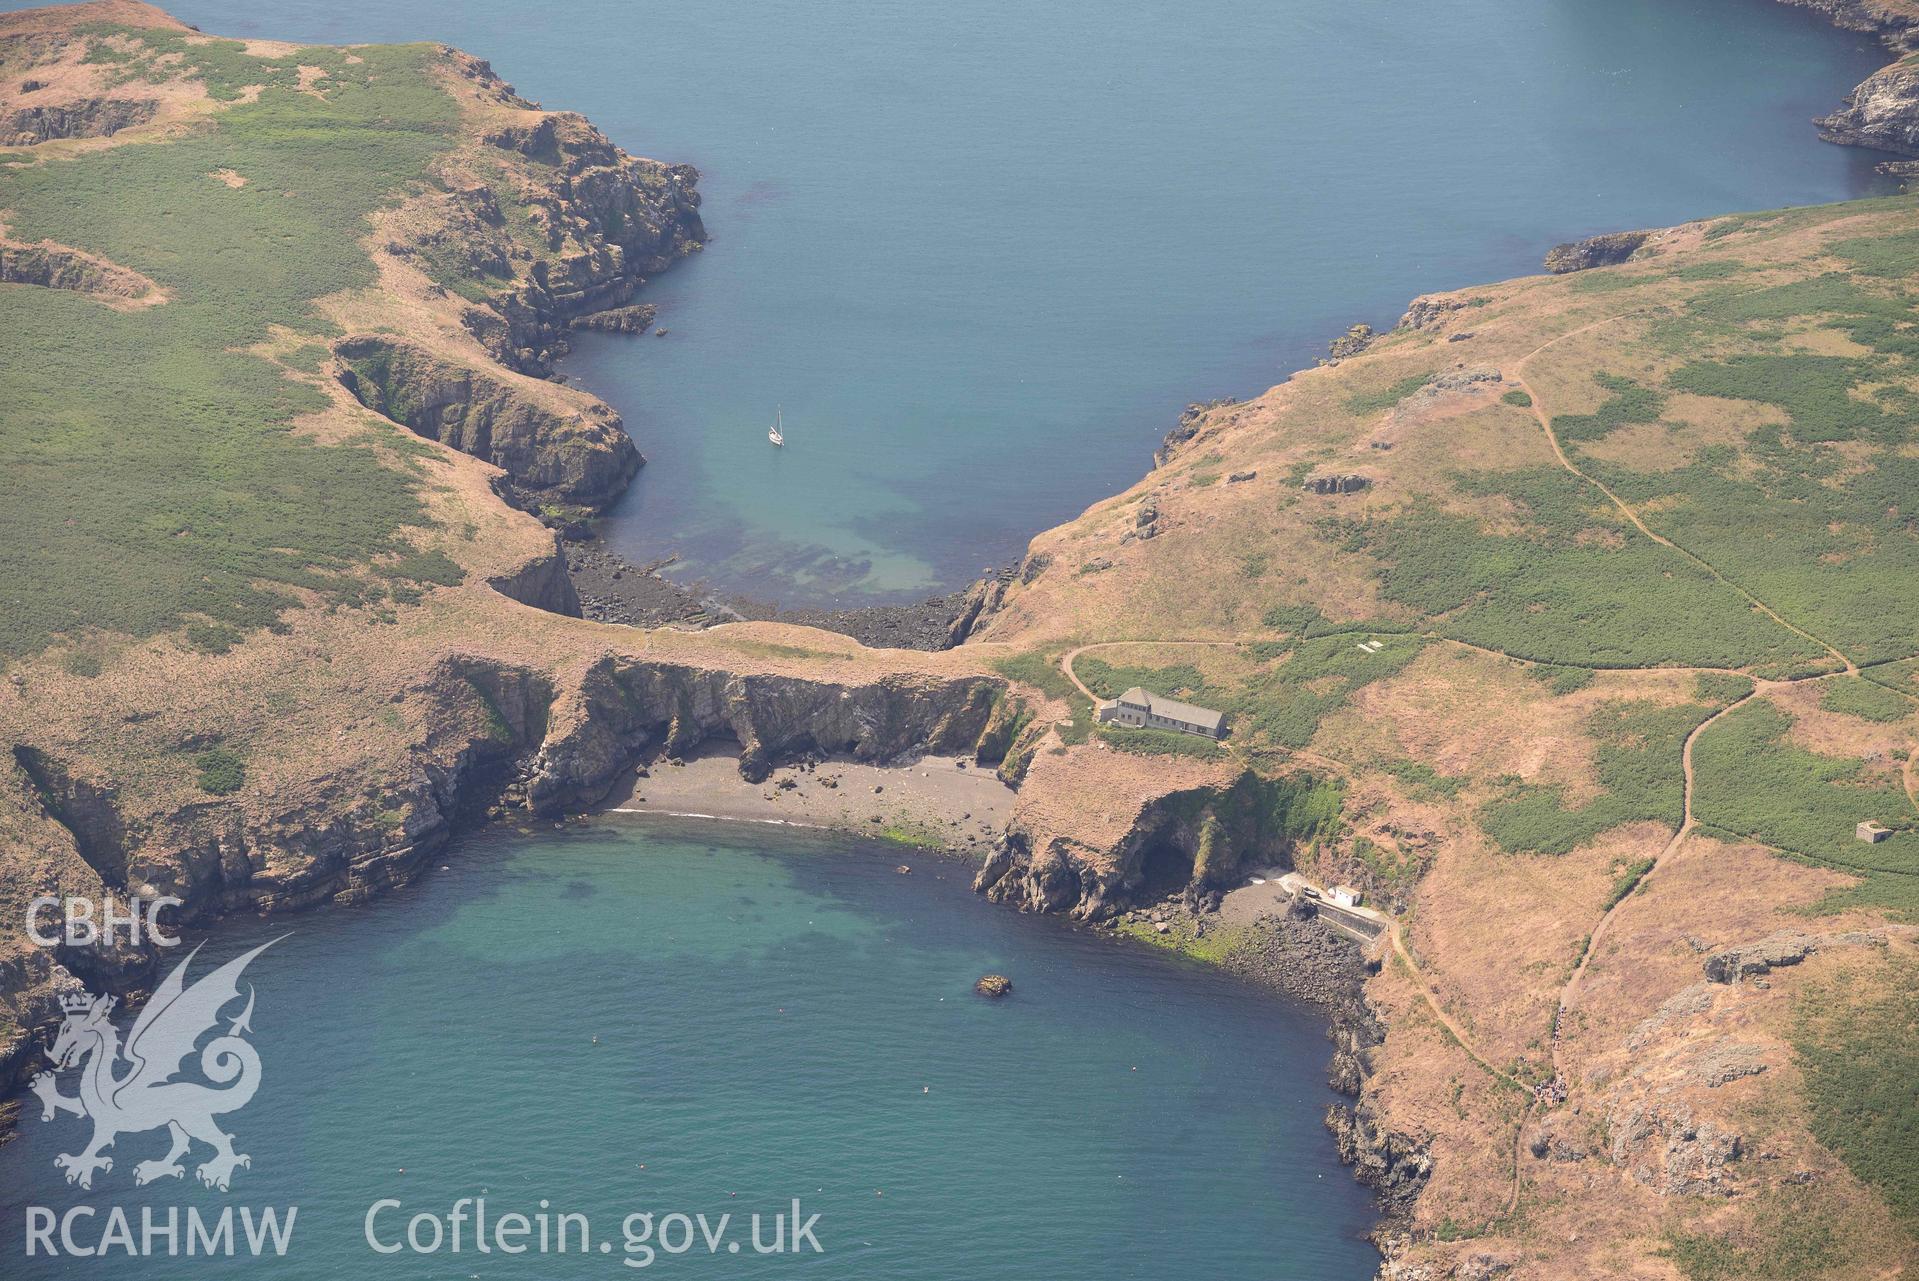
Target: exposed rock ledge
(1899,30)
(609,221)
(86,118)
(1883,112)
(1199,837)
(55,266)
(1608,250)
(498,735)
(559,444)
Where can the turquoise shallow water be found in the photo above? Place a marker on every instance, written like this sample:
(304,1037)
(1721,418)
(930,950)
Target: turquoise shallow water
(777,1016)
(983,253)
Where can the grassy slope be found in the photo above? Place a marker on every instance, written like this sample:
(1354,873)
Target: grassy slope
(1749,392)
(175,489)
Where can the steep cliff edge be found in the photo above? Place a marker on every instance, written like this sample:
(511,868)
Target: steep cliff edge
(544,222)
(1882,113)
(552,444)
(469,736)
(290,638)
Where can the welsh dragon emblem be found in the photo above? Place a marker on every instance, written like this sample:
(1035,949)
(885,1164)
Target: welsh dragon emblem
(144,1095)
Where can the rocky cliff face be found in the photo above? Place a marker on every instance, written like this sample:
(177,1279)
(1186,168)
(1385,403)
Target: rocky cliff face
(1595,251)
(1196,839)
(624,709)
(542,583)
(556,445)
(87,118)
(553,223)
(1883,112)
(495,735)
(54,266)
(1891,22)
(1393,1165)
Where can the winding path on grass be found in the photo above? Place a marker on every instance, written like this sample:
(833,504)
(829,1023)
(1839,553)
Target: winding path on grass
(1688,818)
(1559,452)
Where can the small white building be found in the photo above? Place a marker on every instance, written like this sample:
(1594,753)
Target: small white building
(1137,709)
(1344,895)
(1871,833)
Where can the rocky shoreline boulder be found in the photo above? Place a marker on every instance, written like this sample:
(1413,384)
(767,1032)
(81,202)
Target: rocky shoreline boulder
(1608,250)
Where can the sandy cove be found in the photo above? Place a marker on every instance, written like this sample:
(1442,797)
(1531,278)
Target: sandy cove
(939,801)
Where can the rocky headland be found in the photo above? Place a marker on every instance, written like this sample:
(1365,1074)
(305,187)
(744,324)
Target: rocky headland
(1519,1110)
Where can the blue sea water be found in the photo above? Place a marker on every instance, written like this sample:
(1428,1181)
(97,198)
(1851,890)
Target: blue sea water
(637,1017)
(983,253)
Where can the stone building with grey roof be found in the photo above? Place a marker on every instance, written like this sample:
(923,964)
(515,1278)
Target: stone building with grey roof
(1138,709)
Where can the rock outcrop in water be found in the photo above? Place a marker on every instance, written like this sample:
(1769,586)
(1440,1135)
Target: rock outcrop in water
(557,444)
(1897,26)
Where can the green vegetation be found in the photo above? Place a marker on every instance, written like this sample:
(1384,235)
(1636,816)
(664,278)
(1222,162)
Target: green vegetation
(1640,774)
(1159,742)
(1627,881)
(1856,1048)
(1040,669)
(1304,621)
(176,489)
(1303,682)
(1578,585)
(1815,391)
(1366,404)
(1395,870)
(498,728)
(1852,696)
(157,55)
(222,771)
(1752,783)
(773,649)
(1182,680)
(1562,680)
(1605,280)
(1517,397)
(1891,257)
(1215,947)
(1718,270)
(1721,688)
(1422,780)
(1796,1245)
(1837,557)
(1312,679)
(913,835)
(1628,403)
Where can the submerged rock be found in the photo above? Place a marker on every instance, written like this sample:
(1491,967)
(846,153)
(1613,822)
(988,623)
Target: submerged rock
(994,985)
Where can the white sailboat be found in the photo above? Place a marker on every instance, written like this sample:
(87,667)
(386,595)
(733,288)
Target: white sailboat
(774,433)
